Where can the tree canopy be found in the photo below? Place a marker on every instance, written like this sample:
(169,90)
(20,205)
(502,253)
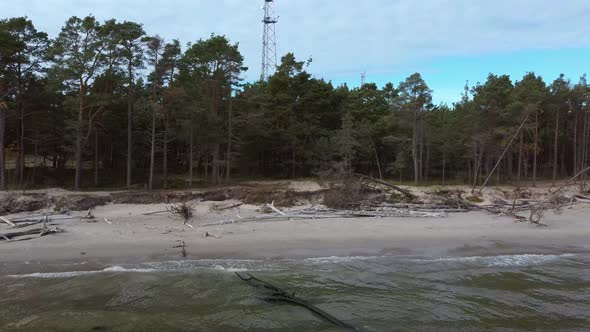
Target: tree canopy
(103,104)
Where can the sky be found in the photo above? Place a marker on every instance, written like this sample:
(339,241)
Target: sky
(448,41)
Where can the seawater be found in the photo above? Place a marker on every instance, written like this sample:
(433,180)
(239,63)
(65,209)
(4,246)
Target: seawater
(520,292)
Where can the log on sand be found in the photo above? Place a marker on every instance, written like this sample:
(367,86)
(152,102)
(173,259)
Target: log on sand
(40,232)
(406,192)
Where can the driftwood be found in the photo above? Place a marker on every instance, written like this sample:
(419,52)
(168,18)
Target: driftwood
(585,198)
(23,225)
(182,246)
(314,214)
(570,181)
(536,213)
(229,207)
(278,295)
(406,192)
(207,234)
(35,218)
(155,212)
(7,221)
(272,207)
(35,231)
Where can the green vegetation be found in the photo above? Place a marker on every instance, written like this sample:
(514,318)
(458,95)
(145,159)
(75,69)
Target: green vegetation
(103,104)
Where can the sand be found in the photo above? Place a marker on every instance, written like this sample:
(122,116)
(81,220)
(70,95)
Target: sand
(133,237)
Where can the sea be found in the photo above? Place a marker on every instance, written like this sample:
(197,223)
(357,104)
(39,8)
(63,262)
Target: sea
(507,292)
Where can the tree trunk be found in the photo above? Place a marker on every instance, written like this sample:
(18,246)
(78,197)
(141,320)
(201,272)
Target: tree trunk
(443,167)
(21,142)
(575,146)
(20,164)
(476,165)
(427,161)
(36,153)
(414,149)
(215,161)
(377,160)
(229,137)
(165,153)
(79,139)
(153,147)
(536,147)
(519,161)
(555,146)
(2,160)
(96,156)
(584,152)
(293,160)
(206,166)
(191,158)
(421,160)
(129,123)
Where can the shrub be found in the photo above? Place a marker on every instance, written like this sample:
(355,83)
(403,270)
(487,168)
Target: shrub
(185,210)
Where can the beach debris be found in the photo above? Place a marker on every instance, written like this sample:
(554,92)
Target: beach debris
(38,218)
(406,192)
(155,212)
(273,208)
(7,221)
(380,211)
(278,295)
(221,207)
(184,210)
(182,246)
(207,234)
(40,232)
(582,197)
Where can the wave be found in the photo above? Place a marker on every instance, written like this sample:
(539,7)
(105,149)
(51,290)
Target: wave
(502,260)
(70,274)
(229,266)
(338,259)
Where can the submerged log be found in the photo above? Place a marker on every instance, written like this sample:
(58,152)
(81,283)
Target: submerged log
(279,295)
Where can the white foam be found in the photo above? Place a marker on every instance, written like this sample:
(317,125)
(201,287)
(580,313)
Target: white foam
(70,274)
(502,260)
(337,259)
(231,269)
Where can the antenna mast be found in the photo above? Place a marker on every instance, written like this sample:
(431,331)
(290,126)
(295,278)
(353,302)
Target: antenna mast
(269,42)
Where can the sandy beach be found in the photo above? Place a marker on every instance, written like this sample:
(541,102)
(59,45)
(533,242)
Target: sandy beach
(130,236)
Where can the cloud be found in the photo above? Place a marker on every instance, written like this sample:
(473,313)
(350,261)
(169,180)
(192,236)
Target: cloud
(344,36)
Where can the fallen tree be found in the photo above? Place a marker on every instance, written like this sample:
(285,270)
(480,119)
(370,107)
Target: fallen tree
(279,295)
(406,192)
(40,232)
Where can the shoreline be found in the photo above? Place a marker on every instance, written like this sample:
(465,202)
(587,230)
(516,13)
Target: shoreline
(133,238)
